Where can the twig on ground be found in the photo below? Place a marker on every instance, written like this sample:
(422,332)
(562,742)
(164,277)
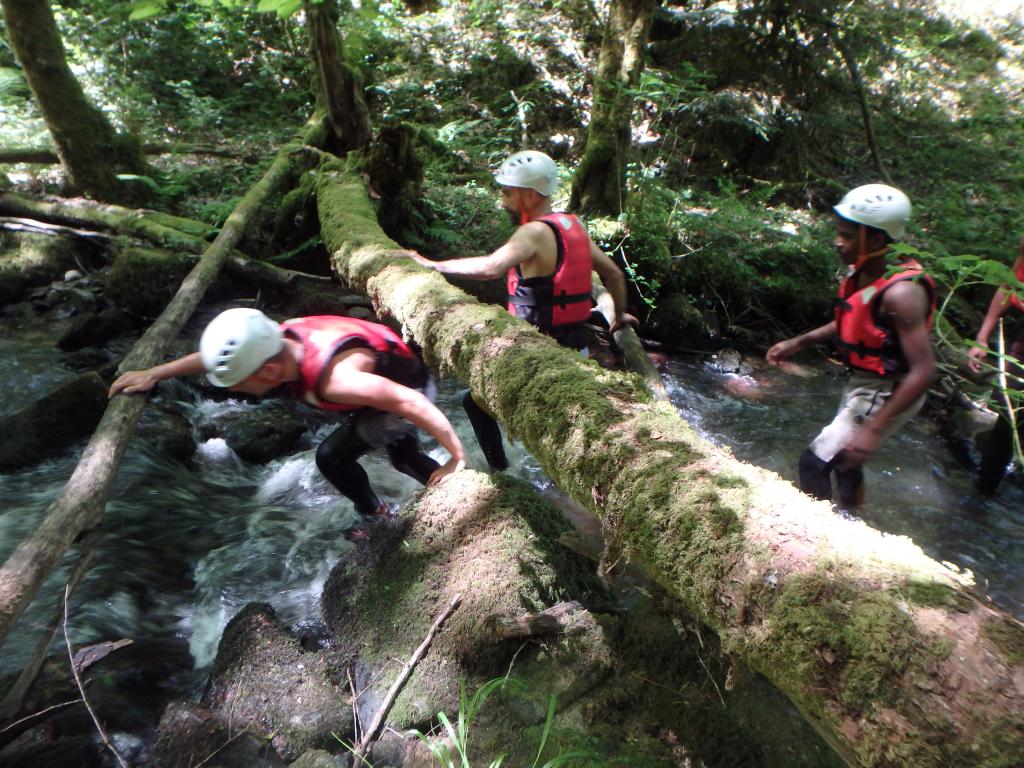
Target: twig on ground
(37,714)
(355,709)
(81,689)
(213,754)
(396,687)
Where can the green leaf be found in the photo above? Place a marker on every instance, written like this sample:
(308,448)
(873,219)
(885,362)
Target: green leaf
(146,9)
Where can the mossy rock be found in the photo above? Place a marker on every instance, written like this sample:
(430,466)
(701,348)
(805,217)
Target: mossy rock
(490,539)
(143,281)
(28,260)
(263,678)
(190,735)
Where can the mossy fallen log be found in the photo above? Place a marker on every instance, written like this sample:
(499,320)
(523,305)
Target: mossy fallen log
(81,504)
(171,232)
(883,649)
(46,156)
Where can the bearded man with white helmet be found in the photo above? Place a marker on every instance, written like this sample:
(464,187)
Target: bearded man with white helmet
(881,326)
(547,266)
(334,363)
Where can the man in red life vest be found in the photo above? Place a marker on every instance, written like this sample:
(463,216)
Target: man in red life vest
(335,363)
(547,267)
(881,325)
(998,449)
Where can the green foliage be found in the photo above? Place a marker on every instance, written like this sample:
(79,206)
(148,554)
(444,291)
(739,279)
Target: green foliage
(459,732)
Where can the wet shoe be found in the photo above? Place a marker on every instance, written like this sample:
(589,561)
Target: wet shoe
(384,510)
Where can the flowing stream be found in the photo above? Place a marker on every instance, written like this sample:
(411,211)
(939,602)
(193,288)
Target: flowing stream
(185,547)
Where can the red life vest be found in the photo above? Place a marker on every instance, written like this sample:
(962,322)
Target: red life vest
(562,298)
(866,341)
(1015,300)
(324,336)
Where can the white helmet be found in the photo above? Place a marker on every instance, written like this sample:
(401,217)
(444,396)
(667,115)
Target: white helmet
(877,205)
(529,169)
(236,343)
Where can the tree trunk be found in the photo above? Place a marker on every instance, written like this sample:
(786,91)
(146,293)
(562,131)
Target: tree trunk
(862,99)
(339,86)
(91,152)
(80,506)
(884,650)
(600,182)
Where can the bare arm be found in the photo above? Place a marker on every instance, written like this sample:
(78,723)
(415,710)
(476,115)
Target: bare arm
(349,379)
(789,347)
(996,308)
(615,282)
(906,305)
(143,381)
(519,248)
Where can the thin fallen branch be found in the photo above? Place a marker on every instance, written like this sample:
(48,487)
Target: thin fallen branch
(556,620)
(370,733)
(81,688)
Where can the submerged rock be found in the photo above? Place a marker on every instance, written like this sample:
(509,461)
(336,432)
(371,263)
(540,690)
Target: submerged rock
(258,434)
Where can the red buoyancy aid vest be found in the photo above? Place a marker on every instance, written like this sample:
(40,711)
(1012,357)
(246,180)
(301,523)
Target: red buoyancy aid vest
(562,298)
(1015,300)
(324,336)
(865,340)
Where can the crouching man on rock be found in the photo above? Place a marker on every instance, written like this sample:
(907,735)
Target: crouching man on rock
(335,363)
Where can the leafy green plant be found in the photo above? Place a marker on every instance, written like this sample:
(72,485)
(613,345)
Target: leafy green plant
(456,755)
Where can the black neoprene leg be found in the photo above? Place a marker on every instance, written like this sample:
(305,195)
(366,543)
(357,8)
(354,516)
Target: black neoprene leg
(850,483)
(487,432)
(336,458)
(995,456)
(409,458)
(815,476)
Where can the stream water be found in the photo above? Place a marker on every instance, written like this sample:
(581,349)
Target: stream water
(185,547)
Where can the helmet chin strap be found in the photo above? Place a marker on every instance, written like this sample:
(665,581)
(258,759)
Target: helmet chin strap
(863,255)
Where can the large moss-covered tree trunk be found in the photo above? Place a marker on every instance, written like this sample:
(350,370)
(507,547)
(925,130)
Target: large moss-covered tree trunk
(91,152)
(599,184)
(339,86)
(81,504)
(883,649)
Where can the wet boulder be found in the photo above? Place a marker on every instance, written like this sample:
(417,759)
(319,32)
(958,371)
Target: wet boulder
(28,260)
(258,434)
(96,327)
(264,680)
(191,735)
(47,427)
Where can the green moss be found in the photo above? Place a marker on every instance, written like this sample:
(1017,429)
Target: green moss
(934,594)
(1008,636)
(832,635)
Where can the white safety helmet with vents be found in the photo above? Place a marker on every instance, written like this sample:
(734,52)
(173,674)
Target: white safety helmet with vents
(529,169)
(877,205)
(236,343)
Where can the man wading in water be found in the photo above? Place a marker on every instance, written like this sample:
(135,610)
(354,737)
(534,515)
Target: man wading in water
(547,266)
(335,363)
(881,327)
(998,447)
